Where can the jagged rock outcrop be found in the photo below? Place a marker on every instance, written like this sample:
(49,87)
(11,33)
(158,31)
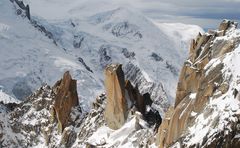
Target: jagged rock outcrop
(201,80)
(26,120)
(33,121)
(122,96)
(66,98)
(116,108)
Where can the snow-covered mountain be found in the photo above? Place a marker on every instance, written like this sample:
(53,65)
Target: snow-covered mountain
(77,37)
(132,102)
(206,116)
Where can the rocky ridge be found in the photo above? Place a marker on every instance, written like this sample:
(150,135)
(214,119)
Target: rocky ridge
(33,122)
(51,117)
(66,98)
(204,114)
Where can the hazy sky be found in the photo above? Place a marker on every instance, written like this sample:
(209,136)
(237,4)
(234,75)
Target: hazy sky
(206,13)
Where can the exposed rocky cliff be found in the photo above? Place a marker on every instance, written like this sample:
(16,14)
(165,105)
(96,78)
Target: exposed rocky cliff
(66,98)
(116,108)
(122,97)
(206,111)
(32,122)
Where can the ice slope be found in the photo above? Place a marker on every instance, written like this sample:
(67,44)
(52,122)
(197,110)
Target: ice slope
(87,40)
(180,33)
(28,58)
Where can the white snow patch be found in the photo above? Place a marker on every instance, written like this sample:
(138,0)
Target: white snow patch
(109,137)
(211,65)
(66,64)
(5,98)
(192,95)
(193,113)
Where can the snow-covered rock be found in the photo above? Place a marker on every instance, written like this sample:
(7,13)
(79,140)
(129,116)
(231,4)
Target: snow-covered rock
(207,106)
(33,124)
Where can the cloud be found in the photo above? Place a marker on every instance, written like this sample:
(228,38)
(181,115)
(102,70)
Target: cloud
(206,13)
(188,11)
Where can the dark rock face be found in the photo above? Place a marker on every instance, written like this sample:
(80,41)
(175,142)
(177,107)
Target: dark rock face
(66,98)
(42,29)
(156,57)
(105,59)
(127,54)
(135,97)
(84,64)
(125,29)
(23,7)
(143,104)
(153,118)
(77,42)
